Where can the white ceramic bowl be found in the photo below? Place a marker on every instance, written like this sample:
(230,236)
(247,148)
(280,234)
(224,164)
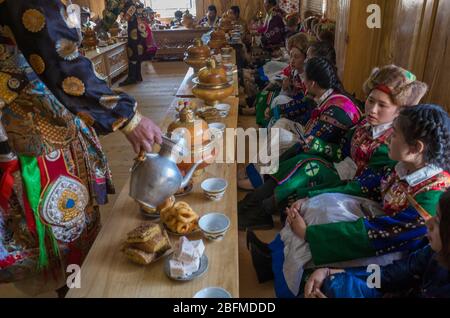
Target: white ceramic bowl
(224,109)
(213,292)
(214,188)
(214,226)
(217,126)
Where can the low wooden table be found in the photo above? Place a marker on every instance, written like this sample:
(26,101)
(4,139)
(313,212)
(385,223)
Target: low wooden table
(106,272)
(173,43)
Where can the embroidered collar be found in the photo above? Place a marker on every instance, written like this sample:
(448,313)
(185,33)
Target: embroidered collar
(378,131)
(418,176)
(324,97)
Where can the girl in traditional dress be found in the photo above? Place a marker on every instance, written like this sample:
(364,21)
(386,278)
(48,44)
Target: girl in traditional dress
(349,228)
(425,273)
(356,164)
(330,121)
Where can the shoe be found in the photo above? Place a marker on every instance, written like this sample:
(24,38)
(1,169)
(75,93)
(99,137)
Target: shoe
(261,258)
(252,221)
(252,238)
(245,185)
(128,81)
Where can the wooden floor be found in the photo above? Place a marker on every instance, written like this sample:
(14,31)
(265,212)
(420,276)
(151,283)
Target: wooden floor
(154,95)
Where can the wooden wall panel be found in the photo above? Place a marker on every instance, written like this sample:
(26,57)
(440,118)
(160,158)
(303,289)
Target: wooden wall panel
(414,35)
(332,9)
(406,38)
(342,37)
(361,54)
(437,67)
(249,8)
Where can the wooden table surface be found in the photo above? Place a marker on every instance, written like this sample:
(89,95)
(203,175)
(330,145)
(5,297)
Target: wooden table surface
(106,272)
(185,89)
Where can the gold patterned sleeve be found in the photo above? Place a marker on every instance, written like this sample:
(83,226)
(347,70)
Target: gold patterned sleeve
(49,41)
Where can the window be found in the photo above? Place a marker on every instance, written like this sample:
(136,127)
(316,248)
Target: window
(316,6)
(167,8)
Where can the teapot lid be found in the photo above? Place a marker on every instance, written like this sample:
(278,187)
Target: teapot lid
(212,74)
(198,49)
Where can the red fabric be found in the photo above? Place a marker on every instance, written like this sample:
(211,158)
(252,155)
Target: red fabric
(287,71)
(10,260)
(151,44)
(384,89)
(7,181)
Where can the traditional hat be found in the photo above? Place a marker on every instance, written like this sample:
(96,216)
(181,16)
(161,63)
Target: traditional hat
(401,85)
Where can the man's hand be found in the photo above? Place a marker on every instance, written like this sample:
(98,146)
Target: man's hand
(145,135)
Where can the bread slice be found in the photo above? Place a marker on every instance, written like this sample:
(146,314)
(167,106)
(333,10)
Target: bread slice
(138,256)
(144,233)
(157,244)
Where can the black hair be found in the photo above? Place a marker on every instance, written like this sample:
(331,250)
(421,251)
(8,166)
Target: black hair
(431,125)
(272,2)
(212,8)
(178,14)
(444,229)
(324,49)
(326,36)
(236,10)
(323,72)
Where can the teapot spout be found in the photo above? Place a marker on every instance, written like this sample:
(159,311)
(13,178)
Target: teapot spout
(189,175)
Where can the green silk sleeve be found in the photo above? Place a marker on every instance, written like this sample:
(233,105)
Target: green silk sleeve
(337,242)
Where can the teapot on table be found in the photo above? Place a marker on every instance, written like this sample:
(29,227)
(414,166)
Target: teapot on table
(155,176)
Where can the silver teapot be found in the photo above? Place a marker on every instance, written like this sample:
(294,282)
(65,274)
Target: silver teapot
(155,176)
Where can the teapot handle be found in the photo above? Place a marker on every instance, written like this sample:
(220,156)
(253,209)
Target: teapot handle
(141,156)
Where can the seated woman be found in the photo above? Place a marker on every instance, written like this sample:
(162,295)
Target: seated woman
(424,274)
(176,22)
(292,24)
(354,164)
(389,88)
(348,228)
(262,91)
(330,121)
(210,20)
(315,49)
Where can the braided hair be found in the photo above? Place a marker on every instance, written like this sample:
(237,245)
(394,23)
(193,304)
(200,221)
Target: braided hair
(324,49)
(430,124)
(324,73)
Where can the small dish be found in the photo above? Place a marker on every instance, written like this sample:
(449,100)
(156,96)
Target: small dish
(213,292)
(214,226)
(202,269)
(169,231)
(186,191)
(224,109)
